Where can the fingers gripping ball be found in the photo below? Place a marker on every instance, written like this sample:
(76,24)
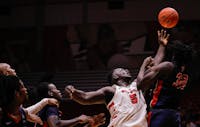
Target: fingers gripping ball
(168,17)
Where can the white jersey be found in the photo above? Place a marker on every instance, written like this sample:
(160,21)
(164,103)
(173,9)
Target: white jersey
(127,107)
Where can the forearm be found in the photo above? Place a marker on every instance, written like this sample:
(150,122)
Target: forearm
(81,97)
(88,98)
(160,54)
(37,107)
(68,123)
(163,38)
(147,80)
(141,73)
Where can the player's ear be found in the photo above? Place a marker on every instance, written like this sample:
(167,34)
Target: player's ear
(50,93)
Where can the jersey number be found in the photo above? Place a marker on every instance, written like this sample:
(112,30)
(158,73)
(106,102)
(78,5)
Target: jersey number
(181,81)
(133,98)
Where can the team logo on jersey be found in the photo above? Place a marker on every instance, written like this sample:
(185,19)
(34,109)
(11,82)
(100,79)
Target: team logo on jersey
(181,81)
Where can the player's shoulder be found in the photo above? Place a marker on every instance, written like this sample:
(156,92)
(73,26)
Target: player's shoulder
(166,68)
(166,65)
(108,89)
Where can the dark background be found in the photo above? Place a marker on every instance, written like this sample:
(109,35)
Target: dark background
(79,41)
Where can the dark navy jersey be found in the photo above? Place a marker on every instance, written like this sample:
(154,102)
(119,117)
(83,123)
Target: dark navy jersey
(48,111)
(7,121)
(167,92)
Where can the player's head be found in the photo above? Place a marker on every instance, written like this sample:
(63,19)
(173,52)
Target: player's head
(48,90)
(5,69)
(12,91)
(179,53)
(119,74)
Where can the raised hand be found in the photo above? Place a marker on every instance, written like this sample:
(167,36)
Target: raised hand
(148,62)
(33,118)
(97,120)
(84,119)
(52,101)
(163,37)
(69,90)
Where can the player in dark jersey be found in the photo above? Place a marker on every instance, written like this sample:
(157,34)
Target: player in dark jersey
(51,114)
(31,111)
(171,78)
(12,96)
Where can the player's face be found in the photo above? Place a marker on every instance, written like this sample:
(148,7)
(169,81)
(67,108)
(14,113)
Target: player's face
(120,72)
(6,69)
(23,94)
(55,92)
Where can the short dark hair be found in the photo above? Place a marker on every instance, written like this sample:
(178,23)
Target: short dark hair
(42,90)
(8,86)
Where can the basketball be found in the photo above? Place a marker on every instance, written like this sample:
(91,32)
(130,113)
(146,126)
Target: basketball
(168,17)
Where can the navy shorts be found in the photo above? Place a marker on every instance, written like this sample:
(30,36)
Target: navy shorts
(164,118)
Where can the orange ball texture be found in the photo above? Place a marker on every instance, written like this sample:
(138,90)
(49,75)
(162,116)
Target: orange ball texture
(168,17)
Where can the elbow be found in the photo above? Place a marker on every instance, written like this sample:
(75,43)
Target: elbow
(59,123)
(169,65)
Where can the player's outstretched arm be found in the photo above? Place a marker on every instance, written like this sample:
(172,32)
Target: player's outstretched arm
(54,121)
(41,104)
(32,110)
(150,62)
(96,120)
(163,38)
(147,63)
(89,98)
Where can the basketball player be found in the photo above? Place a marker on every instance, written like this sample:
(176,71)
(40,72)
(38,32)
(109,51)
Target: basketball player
(29,113)
(6,70)
(123,99)
(51,115)
(12,95)
(172,78)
